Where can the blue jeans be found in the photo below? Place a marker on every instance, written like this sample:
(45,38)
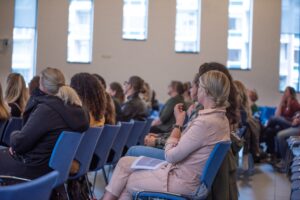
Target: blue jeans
(151,152)
(283,135)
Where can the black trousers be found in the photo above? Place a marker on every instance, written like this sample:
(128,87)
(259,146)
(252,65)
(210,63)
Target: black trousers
(11,167)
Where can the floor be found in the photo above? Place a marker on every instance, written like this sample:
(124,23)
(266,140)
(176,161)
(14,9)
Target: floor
(265,184)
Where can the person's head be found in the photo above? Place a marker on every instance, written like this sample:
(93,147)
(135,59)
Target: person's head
(186,88)
(52,82)
(231,112)
(135,84)
(4,111)
(33,84)
(194,87)
(115,90)
(253,96)
(290,92)
(101,79)
(242,97)
(16,91)
(175,88)
(214,87)
(147,92)
(91,93)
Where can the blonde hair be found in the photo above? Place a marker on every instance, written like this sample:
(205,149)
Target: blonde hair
(16,91)
(4,110)
(216,86)
(69,96)
(51,80)
(243,98)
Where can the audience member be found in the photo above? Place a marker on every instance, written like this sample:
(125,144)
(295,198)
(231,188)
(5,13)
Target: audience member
(33,84)
(31,147)
(134,108)
(4,111)
(166,116)
(253,96)
(92,95)
(187,94)
(285,111)
(16,94)
(117,93)
(110,113)
(187,152)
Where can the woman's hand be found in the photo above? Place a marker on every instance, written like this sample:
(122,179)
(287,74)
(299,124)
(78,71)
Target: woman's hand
(180,114)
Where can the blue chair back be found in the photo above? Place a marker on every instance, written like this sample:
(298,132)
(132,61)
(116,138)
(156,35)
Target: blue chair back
(121,140)
(38,189)
(266,113)
(86,150)
(145,131)
(104,144)
(214,162)
(64,153)
(136,132)
(14,124)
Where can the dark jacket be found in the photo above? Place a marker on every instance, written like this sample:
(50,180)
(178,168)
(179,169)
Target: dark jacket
(166,115)
(32,103)
(134,109)
(34,143)
(15,110)
(118,109)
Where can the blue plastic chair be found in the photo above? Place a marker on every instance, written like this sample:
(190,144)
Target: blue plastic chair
(145,131)
(63,154)
(14,124)
(103,148)
(38,189)
(136,132)
(119,143)
(209,173)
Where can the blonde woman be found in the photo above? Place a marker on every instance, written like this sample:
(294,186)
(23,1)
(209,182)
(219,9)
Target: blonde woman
(186,153)
(16,94)
(4,111)
(57,111)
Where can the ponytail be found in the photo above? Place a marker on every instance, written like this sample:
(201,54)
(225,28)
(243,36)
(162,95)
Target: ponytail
(69,96)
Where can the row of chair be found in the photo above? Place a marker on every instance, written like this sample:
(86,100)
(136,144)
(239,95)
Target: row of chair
(95,142)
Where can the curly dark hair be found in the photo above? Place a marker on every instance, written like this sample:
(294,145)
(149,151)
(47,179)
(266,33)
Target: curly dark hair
(232,110)
(91,93)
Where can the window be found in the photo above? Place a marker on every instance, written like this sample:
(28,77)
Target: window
(290,45)
(239,34)
(80,32)
(24,38)
(187,34)
(135,19)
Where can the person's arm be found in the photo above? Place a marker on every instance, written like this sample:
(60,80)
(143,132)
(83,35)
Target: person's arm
(38,124)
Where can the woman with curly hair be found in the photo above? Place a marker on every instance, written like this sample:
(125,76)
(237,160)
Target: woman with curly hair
(92,95)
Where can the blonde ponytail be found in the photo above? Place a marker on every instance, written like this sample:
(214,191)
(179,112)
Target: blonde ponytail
(69,96)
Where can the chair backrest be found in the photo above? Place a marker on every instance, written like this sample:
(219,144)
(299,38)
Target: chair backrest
(14,124)
(3,125)
(145,131)
(121,140)
(38,189)
(63,154)
(86,150)
(136,133)
(104,144)
(214,162)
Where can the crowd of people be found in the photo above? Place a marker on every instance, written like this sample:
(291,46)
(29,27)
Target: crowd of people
(198,114)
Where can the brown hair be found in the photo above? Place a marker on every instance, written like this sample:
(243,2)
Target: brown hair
(216,86)
(243,97)
(137,83)
(110,114)
(91,93)
(4,113)
(16,91)
(117,87)
(178,86)
(33,84)
(231,111)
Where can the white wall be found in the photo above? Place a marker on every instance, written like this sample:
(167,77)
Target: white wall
(155,59)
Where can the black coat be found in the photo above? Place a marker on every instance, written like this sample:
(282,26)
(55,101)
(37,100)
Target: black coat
(134,109)
(34,143)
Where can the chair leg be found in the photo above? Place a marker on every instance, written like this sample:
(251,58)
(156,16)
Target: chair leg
(94,182)
(104,175)
(88,186)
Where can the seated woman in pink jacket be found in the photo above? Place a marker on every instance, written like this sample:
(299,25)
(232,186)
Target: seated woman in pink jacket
(186,153)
